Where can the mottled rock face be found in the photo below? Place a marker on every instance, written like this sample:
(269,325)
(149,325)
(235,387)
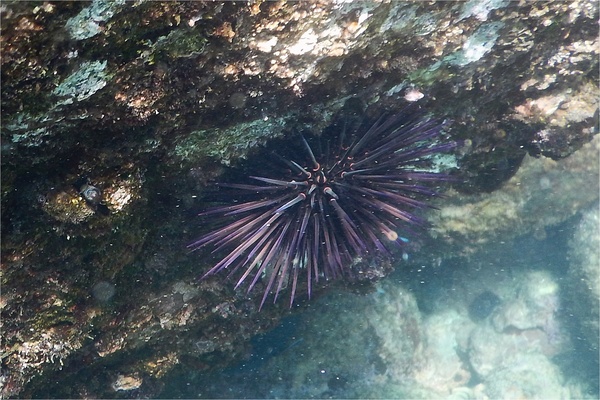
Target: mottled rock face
(525,323)
(583,284)
(151,101)
(483,305)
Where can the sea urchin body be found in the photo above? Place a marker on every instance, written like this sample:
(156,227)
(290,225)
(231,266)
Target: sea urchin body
(320,212)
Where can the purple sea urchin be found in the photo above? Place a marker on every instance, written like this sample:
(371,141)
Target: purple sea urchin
(319,212)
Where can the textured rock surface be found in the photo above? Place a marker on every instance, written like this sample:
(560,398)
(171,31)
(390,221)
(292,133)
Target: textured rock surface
(583,290)
(531,376)
(443,370)
(526,323)
(151,100)
(381,345)
(542,193)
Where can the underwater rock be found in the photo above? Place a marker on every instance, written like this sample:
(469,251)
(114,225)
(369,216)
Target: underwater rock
(444,369)
(396,319)
(66,206)
(103,291)
(79,202)
(182,85)
(127,382)
(535,306)
(348,345)
(489,350)
(526,323)
(483,305)
(542,193)
(530,376)
(583,283)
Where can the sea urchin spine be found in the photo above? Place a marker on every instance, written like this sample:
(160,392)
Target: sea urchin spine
(328,210)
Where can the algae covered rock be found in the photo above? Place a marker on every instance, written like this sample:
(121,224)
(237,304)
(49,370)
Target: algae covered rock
(531,376)
(151,102)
